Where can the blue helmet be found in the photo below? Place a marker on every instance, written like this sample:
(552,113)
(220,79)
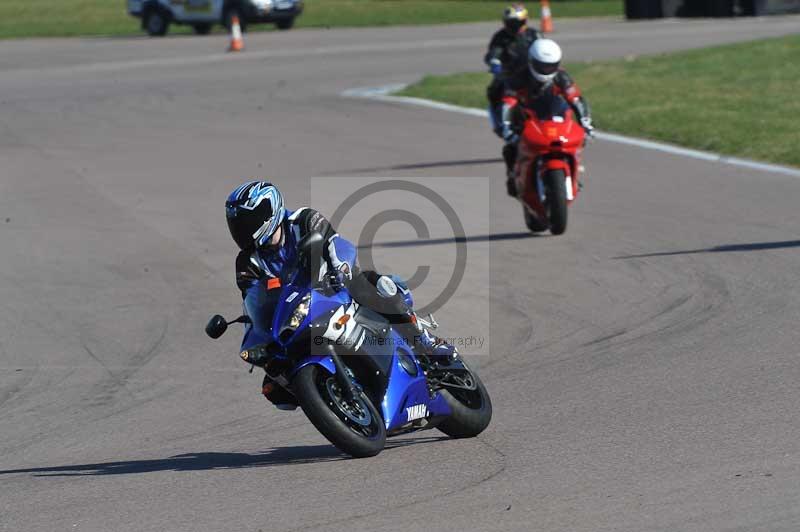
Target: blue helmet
(254,212)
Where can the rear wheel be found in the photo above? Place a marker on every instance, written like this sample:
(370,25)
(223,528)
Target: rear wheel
(156,23)
(471,407)
(354,426)
(555,181)
(285,23)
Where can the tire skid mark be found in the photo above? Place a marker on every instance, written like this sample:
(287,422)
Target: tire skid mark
(503,352)
(702,297)
(22,391)
(681,315)
(15,389)
(105,391)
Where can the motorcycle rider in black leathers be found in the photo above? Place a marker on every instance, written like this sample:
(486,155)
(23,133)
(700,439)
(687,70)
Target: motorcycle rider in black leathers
(268,234)
(506,58)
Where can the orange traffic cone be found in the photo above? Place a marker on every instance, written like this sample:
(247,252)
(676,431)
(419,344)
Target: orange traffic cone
(237,41)
(546,18)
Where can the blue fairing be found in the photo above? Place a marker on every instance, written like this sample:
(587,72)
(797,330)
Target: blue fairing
(405,391)
(405,397)
(320,360)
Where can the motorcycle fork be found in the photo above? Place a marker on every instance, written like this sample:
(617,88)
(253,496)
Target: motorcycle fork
(539,181)
(568,180)
(342,374)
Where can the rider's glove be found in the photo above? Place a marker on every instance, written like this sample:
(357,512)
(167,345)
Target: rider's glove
(495,67)
(336,279)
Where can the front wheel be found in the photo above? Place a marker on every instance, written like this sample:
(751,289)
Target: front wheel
(470,405)
(532,222)
(354,426)
(555,181)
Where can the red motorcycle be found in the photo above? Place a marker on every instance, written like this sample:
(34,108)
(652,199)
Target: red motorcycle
(548,162)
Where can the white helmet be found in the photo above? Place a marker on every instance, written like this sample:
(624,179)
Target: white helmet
(544,58)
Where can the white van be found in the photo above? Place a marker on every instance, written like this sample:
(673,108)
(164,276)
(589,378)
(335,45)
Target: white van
(201,15)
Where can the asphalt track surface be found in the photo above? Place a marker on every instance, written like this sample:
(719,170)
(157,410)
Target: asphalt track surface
(643,366)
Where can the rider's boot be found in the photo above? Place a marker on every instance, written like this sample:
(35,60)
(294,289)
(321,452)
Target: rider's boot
(496,118)
(425,342)
(510,158)
(436,348)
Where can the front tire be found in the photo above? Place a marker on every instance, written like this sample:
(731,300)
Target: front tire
(472,410)
(555,181)
(156,23)
(532,222)
(354,427)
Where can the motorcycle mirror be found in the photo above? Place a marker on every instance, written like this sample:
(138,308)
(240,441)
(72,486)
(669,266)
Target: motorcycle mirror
(310,247)
(216,326)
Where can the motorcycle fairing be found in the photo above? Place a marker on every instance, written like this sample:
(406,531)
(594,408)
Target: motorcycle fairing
(406,398)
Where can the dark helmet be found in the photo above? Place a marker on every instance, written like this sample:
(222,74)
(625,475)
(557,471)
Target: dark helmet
(514,17)
(254,211)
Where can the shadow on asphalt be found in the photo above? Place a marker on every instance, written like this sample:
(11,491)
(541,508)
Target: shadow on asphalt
(417,166)
(208,461)
(754,246)
(522,235)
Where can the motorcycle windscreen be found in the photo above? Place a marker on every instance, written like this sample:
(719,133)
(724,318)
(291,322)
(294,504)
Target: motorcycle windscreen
(259,305)
(549,105)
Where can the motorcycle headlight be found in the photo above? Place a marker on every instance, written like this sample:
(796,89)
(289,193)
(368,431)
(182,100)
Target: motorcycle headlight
(300,312)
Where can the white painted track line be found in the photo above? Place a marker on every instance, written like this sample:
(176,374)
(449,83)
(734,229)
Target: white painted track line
(384,94)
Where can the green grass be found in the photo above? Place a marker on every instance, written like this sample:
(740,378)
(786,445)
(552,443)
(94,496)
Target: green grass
(322,13)
(738,99)
(58,18)
(29,18)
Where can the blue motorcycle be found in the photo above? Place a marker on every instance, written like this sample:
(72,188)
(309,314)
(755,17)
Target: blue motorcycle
(355,377)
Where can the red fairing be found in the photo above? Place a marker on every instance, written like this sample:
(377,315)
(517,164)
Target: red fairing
(554,143)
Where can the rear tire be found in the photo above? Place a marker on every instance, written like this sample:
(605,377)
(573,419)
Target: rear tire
(155,23)
(472,410)
(315,390)
(285,24)
(555,181)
